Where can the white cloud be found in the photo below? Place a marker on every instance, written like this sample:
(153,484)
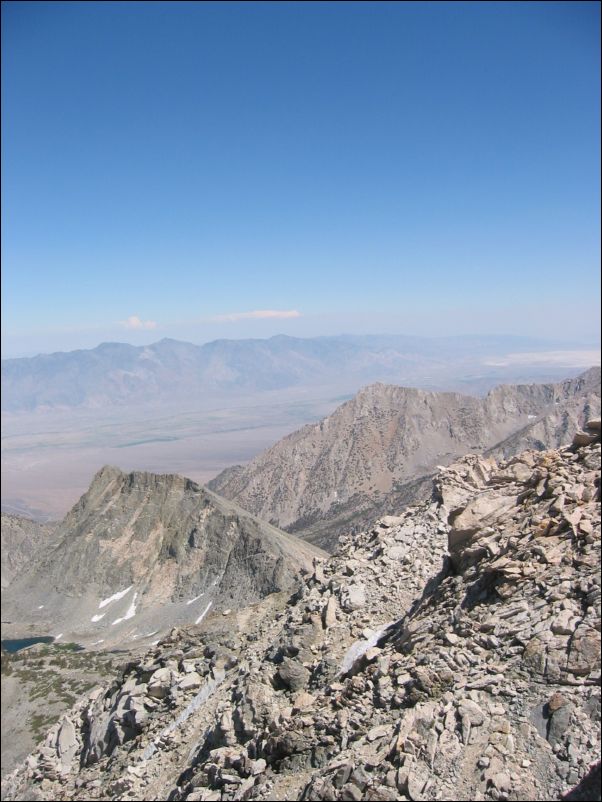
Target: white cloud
(134,322)
(260,314)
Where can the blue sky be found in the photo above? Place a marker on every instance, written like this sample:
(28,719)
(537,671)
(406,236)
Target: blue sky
(169,169)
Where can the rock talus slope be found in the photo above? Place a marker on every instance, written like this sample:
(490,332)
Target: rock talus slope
(335,475)
(21,539)
(452,652)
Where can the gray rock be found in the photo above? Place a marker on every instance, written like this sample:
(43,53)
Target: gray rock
(353,597)
(329,613)
(67,744)
(294,675)
(190,682)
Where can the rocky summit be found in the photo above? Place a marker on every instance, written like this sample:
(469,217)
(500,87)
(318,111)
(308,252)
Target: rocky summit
(140,552)
(451,652)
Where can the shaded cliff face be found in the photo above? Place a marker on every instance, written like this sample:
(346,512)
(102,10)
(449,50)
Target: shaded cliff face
(143,541)
(452,652)
(316,481)
(22,538)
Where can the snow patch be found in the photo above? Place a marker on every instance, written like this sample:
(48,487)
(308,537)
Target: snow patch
(148,635)
(41,607)
(96,642)
(96,618)
(115,597)
(196,598)
(203,614)
(531,416)
(56,637)
(131,612)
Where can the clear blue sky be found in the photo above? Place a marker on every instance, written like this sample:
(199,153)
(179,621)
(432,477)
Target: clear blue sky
(413,168)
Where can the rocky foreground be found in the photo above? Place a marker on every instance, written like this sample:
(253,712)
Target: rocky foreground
(450,653)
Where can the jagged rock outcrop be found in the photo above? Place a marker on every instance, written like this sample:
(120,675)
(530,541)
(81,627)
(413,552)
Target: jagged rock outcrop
(22,538)
(451,652)
(364,459)
(145,544)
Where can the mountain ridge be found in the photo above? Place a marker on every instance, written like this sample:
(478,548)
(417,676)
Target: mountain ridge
(388,436)
(166,540)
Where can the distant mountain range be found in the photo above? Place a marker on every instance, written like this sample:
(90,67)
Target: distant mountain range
(170,371)
(374,454)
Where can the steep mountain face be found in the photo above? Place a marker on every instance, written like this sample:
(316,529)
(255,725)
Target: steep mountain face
(142,547)
(367,455)
(170,371)
(452,652)
(566,406)
(22,538)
